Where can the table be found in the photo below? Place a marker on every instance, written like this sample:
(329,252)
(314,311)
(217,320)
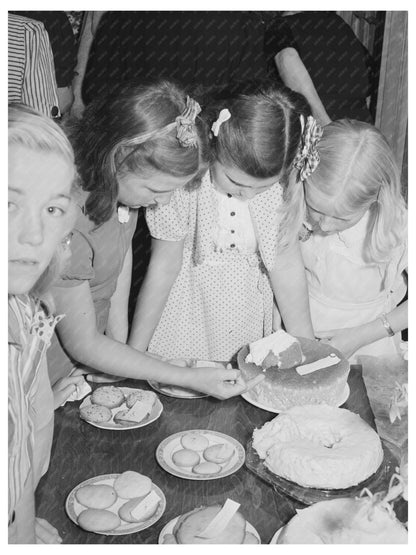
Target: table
(81,451)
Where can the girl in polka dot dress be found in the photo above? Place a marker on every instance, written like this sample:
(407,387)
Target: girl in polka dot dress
(220,253)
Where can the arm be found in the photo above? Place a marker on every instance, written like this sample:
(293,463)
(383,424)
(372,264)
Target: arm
(289,285)
(349,340)
(295,76)
(164,267)
(80,338)
(89,28)
(117,325)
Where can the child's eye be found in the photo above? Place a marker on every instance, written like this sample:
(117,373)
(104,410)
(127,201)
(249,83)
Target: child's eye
(55,211)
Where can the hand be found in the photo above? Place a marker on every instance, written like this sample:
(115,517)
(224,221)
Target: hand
(347,340)
(222,383)
(45,532)
(64,387)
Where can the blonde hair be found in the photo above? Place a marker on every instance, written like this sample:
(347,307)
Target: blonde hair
(32,130)
(358,170)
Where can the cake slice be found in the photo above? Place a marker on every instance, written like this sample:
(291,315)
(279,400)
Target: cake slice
(278,349)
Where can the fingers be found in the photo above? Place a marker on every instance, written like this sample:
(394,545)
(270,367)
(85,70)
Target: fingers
(45,532)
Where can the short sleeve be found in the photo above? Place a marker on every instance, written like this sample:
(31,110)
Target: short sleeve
(80,266)
(170,222)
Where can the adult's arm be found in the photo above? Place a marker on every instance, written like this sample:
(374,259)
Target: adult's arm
(164,267)
(117,325)
(290,289)
(295,76)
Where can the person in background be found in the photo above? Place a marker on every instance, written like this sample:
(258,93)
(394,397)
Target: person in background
(229,247)
(318,55)
(63,44)
(31,71)
(42,187)
(356,255)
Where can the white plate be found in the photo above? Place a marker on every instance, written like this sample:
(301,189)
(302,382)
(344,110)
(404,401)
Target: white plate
(74,508)
(247,397)
(168,529)
(111,425)
(276,536)
(172,444)
(182,392)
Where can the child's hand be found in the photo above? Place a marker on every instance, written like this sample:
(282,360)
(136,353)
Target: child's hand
(64,387)
(222,383)
(45,532)
(347,340)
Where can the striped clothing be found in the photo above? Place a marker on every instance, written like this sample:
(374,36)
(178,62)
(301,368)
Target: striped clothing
(31,69)
(29,406)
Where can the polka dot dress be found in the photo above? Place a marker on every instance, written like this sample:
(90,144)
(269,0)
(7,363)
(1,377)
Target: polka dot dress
(222,298)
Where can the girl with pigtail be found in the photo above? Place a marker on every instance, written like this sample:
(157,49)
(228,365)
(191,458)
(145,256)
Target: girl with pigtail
(356,252)
(229,247)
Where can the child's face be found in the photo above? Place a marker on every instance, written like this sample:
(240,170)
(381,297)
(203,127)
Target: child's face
(156,189)
(41,213)
(235,182)
(322,215)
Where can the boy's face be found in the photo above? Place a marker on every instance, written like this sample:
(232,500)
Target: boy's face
(233,181)
(41,213)
(322,215)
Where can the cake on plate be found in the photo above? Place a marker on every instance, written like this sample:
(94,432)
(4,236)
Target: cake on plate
(320,377)
(319,446)
(363,520)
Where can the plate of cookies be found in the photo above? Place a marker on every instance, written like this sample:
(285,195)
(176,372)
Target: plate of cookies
(116,504)
(120,408)
(200,455)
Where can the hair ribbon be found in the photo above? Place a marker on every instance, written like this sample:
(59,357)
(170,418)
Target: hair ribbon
(224,116)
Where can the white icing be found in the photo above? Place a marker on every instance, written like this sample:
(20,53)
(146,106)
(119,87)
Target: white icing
(326,362)
(276,343)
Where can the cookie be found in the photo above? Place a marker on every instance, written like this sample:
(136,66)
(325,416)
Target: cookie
(194,441)
(118,418)
(219,453)
(141,509)
(100,496)
(95,413)
(98,520)
(207,468)
(108,396)
(131,484)
(185,457)
(140,395)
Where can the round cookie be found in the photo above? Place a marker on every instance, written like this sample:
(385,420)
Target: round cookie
(219,453)
(131,484)
(194,441)
(140,395)
(207,468)
(108,396)
(100,496)
(98,520)
(95,413)
(125,510)
(185,457)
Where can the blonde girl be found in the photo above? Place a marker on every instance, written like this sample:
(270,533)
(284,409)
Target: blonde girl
(356,255)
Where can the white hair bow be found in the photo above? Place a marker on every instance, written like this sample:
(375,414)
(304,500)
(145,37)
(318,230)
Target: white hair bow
(224,116)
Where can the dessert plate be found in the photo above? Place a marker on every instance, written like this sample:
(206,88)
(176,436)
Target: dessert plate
(168,529)
(74,508)
(171,444)
(111,425)
(276,536)
(376,482)
(249,399)
(182,392)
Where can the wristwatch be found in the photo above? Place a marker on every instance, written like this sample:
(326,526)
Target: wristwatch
(386,324)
